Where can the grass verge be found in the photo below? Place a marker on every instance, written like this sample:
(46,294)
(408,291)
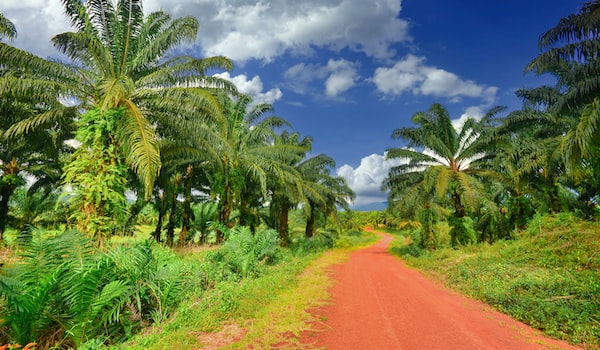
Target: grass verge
(549,277)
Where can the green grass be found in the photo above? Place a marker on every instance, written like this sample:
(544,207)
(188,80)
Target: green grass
(549,277)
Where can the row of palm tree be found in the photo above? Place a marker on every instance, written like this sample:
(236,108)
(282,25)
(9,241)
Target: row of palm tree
(496,172)
(148,121)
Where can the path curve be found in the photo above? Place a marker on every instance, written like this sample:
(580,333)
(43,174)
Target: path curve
(379,303)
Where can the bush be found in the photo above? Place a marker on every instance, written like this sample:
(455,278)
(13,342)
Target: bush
(243,254)
(462,231)
(64,292)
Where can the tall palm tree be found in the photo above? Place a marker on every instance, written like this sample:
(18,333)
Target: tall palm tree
(570,53)
(121,60)
(287,195)
(124,74)
(39,153)
(243,153)
(324,193)
(441,163)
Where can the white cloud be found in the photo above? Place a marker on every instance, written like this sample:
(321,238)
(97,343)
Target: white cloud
(37,21)
(253,88)
(367,178)
(343,77)
(411,74)
(338,75)
(247,29)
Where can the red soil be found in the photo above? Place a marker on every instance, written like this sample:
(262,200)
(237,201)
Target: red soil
(379,303)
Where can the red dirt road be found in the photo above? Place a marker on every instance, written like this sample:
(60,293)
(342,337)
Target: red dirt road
(379,303)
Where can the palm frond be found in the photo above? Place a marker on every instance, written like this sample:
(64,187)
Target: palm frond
(138,138)
(7,28)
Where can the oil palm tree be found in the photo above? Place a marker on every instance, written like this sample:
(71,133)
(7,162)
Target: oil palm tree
(287,195)
(121,60)
(324,193)
(570,53)
(441,165)
(572,47)
(242,153)
(122,72)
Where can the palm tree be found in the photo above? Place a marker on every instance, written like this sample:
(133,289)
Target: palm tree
(570,53)
(324,193)
(287,195)
(443,167)
(121,62)
(39,153)
(572,47)
(243,153)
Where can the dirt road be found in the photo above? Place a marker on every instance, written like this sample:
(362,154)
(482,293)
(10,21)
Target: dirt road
(379,303)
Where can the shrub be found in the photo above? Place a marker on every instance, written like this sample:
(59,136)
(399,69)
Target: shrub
(65,293)
(243,254)
(462,231)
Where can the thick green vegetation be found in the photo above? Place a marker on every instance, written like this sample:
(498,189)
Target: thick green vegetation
(548,276)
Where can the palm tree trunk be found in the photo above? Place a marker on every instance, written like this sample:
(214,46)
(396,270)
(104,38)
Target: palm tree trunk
(171,223)
(309,231)
(242,220)
(187,207)
(161,213)
(11,168)
(284,211)
(158,229)
(5,193)
(459,208)
(225,209)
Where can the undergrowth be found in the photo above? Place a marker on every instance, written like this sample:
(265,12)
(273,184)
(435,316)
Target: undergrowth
(548,277)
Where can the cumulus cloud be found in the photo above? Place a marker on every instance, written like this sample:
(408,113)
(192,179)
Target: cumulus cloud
(338,76)
(411,74)
(37,21)
(343,77)
(246,29)
(253,88)
(251,29)
(367,178)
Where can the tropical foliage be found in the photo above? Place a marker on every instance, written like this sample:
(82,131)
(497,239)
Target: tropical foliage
(496,173)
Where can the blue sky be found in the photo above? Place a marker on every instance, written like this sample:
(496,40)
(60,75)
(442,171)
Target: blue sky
(348,72)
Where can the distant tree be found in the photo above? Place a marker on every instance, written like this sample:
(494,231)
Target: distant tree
(441,166)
